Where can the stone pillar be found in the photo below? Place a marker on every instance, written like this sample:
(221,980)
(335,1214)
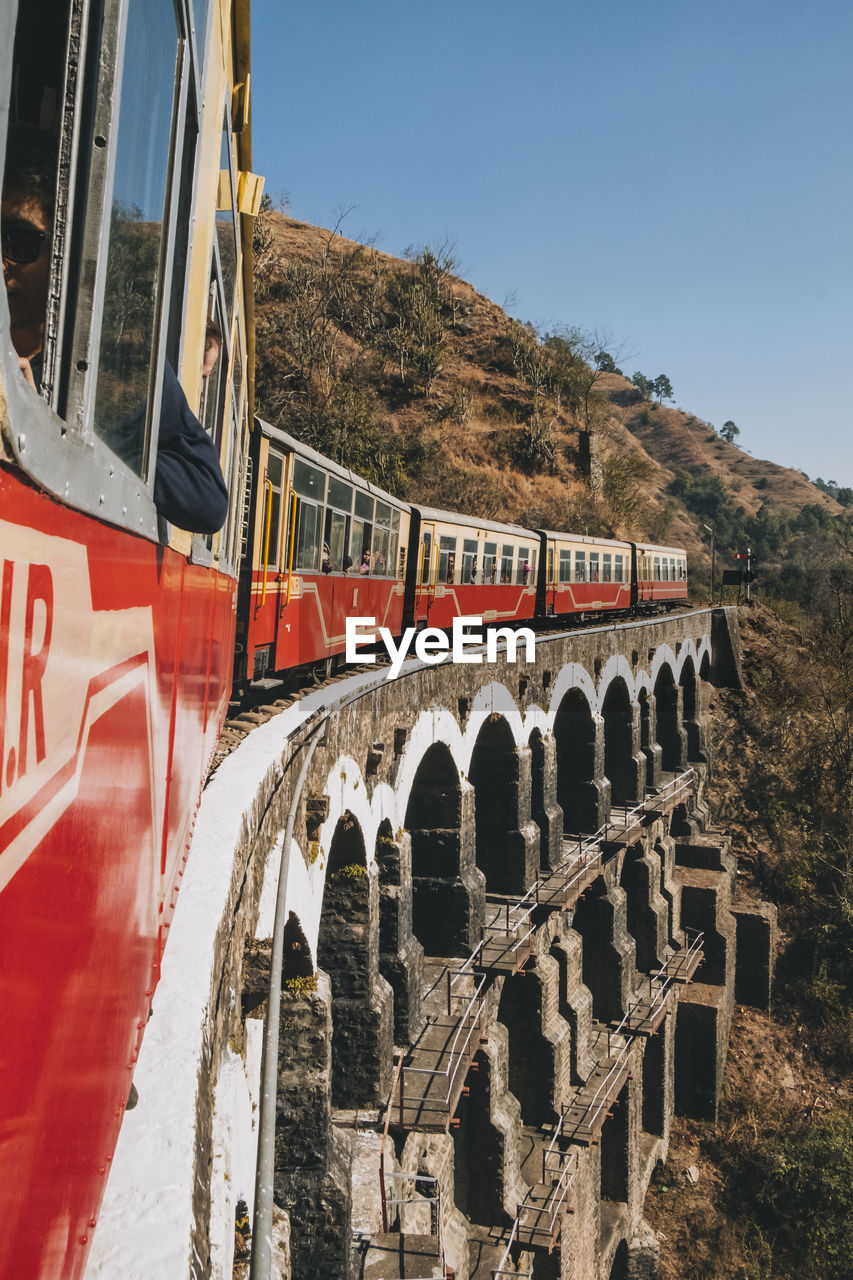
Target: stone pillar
(609,951)
(575,1000)
(401,956)
(487,1160)
(756,954)
(596,794)
(670,888)
(539,1040)
(362,1001)
(312,1160)
(649,744)
(648,915)
(545,810)
(449,894)
(507,837)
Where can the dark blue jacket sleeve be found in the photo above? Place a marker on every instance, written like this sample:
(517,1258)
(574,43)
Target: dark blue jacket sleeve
(188,487)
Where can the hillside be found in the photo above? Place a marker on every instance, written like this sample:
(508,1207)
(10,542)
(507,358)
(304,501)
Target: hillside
(398,368)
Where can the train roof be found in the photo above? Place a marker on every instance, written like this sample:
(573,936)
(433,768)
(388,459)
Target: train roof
(334,468)
(670,551)
(586,538)
(474,522)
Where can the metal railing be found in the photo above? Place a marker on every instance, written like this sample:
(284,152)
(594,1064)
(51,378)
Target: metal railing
(457,1054)
(501,1269)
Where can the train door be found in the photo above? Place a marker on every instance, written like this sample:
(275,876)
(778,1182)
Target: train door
(425,575)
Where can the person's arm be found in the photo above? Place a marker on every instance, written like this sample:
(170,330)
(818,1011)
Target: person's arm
(189,490)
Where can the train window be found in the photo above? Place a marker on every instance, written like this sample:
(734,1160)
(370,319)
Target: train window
(618,568)
(308,482)
(213,383)
(137,231)
(593,566)
(381,551)
(446,559)
(469,560)
(522,559)
(490,552)
(226,218)
(361,539)
(340,495)
(426,554)
(580,566)
(606,567)
(657,569)
(566,567)
(308,523)
(273,500)
(531,560)
(506,563)
(364,506)
(336,538)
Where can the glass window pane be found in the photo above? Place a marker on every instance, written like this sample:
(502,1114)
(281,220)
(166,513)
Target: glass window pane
(340,495)
(383,515)
(307,555)
(274,468)
(580,566)
(446,559)
(469,560)
(137,228)
(336,538)
(308,481)
(425,561)
(566,567)
(379,559)
(226,224)
(364,506)
(593,566)
(490,552)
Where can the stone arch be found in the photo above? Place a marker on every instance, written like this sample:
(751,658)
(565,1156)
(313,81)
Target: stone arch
(544,809)
(705,665)
(401,956)
(296,960)
(348,951)
(507,839)
(582,792)
(448,892)
(622,767)
(670,734)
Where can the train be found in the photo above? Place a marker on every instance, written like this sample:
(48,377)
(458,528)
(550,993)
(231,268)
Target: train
(128,200)
(127,617)
(323,544)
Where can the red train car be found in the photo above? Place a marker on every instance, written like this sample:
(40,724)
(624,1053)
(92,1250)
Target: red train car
(660,574)
(325,545)
(585,575)
(467,567)
(116,627)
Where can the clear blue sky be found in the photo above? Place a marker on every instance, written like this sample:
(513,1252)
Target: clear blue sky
(678,172)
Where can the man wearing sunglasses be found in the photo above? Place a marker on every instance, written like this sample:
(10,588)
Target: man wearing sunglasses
(25,228)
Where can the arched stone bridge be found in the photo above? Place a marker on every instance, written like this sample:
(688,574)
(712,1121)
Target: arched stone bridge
(508,873)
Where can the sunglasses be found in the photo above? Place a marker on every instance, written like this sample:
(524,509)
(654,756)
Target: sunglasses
(21,241)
